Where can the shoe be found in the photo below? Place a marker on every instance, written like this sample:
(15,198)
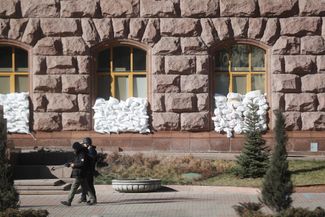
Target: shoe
(90,203)
(66,203)
(82,200)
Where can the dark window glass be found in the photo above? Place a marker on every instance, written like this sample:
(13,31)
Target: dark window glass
(103,86)
(239,60)
(139,60)
(222,61)
(5,59)
(121,59)
(104,61)
(21,60)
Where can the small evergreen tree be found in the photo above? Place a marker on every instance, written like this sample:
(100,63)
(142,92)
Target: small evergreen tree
(254,159)
(8,195)
(277,186)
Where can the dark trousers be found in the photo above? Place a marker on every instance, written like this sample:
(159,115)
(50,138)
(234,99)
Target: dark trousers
(84,185)
(90,181)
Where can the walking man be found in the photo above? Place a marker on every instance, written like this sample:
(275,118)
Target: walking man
(80,171)
(92,154)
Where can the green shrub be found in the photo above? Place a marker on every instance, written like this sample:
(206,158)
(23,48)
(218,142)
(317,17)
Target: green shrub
(24,213)
(303,212)
(247,207)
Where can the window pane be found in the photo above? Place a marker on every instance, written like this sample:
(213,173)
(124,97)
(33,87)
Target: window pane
(258,59)
(222,61)
(222,83)
(139,60)
(21,84)
(103,87)
(140,86)
(103,61)
(239,59)
(4,84)
(258,82)
(5,59)
(121,59)
(21,60)
(121,87)
(239,84)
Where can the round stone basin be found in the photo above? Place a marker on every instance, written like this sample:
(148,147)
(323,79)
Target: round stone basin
(136,185)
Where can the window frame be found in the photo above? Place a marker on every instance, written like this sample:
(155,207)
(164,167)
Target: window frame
(14,73)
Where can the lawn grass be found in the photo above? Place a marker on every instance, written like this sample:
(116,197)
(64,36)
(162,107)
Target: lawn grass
(214,172)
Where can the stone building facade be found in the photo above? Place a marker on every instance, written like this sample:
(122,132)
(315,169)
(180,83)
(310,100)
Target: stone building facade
(181,38)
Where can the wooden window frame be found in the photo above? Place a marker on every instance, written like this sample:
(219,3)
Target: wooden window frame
(13,73)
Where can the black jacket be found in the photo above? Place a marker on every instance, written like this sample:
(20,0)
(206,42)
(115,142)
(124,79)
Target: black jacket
(81,164)
(92,154)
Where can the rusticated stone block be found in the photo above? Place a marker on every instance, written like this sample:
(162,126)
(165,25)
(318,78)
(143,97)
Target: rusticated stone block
(17,28)
(321,63)
(286,45)
(277,64)
(166,121)
(79,8)
(179,27)
(32,32)
(202,64)
(61,102)
(301,64)
(152,32)
(203,8)
(208,34)
(313,83)
(121,8)
(223,28)
(312,8)
(292,120)
(8,8)
(39,65)
(285,83)
(39,102)
(277,101)
(158,8)
(84,64)
(321,102)
(4,28)
(104,28)
(74,46)
(137,28)
(272,31)
(300,26)
(36,8)
(239,27)
(166,83)
(180,64)
(120,27)
(158,102)
(278,8)
(158,65)
(48,121)
(194,83)
(76,121)
(75,83)
(203,101)
(313,120)
(312,45)
(180,102)
(196,121)
(256,28)
(89,32)
(240,8)
(60,65)
(84,103)
(301,102)
(60,27)
(47,83)
(167,45)
(193,45)
(48,46)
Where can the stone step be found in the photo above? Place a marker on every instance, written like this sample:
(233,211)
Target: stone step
(38,182)
(64,187)
(37,192)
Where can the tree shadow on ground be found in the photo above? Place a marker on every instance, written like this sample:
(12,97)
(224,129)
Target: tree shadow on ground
(305,170)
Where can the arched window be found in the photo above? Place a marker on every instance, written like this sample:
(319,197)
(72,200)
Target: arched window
(239,68)
(121,72)
(13,69)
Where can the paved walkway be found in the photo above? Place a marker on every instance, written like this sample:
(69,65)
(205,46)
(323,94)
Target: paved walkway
(186,201)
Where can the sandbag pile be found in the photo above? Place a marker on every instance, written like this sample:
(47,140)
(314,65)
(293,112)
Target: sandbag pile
(114,116)
(16,111)
(230,112)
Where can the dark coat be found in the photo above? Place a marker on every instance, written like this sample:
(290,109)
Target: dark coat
(92,154)
(81,162)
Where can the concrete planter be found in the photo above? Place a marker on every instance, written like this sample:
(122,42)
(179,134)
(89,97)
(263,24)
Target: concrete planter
(136,185)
